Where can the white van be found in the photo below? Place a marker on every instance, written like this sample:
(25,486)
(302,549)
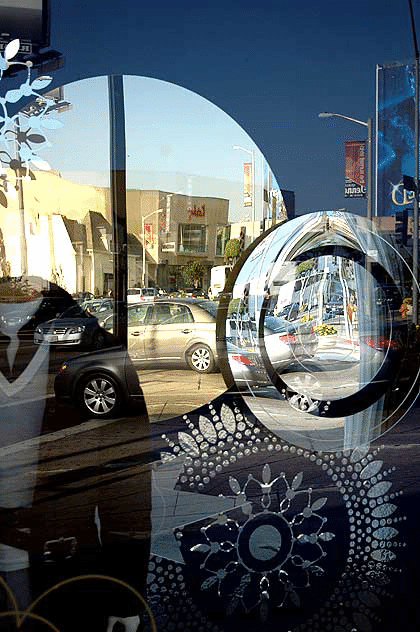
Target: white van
(140,294)
(218,277)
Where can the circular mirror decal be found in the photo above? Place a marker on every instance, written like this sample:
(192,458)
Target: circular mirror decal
(316,340)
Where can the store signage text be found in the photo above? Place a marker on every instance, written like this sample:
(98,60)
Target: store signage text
(400,196)
(197,211)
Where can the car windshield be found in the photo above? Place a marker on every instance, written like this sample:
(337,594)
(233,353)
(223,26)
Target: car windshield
(75,311)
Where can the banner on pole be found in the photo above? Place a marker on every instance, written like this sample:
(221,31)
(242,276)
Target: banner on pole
(148,234)
(395,95)
(355,185)
(247,183)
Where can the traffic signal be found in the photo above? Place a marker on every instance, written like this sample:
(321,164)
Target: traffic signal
(401,225)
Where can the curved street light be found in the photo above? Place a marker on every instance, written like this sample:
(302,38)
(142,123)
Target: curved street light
(369,125)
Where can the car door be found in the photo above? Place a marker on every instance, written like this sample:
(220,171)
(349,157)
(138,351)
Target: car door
(168,331)
(136,326)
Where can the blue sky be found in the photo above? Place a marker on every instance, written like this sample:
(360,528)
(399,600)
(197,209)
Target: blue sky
(271,66)
(176,141)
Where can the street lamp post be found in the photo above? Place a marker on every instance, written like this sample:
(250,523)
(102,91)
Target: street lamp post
(369,125)
(416,172)
(159,210)
(251,152)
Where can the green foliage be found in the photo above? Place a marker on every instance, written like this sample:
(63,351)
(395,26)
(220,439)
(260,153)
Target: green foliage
(325,330)
(233,306)
(306,318)
(304,266)
(232,250)
(192,273)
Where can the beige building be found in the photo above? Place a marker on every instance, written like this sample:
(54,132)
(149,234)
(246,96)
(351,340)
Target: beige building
(68,236)
(177,229)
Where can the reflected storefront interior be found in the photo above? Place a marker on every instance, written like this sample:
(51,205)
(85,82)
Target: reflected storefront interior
(169,462)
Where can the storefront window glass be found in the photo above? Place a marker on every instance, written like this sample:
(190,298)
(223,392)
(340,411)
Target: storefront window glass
(192,239)
(170,462)
(222,237)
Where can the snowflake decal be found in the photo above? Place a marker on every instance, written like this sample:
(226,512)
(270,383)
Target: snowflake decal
(265,552)
(271,552)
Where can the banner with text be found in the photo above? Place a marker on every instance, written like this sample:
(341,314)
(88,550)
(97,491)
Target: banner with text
(247,183)
(395,136)
(355,186)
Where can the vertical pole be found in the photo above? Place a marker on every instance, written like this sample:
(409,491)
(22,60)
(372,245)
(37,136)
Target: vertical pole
(19,189)
(143,268)
(416,201)
(23,244)
(370,169)
(118,204)
(416,173)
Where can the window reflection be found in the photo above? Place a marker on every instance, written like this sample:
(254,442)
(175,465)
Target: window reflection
(313,325)
(178,207)
(313,320)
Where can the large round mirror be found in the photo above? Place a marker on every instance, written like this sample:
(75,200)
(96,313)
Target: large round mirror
(316,338)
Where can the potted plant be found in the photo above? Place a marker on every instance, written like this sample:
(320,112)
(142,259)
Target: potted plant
(327,335)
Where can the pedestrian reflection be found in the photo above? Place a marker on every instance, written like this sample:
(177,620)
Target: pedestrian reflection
(74,504)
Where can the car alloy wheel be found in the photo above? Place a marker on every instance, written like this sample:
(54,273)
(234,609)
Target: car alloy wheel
(200,358)
(100,396)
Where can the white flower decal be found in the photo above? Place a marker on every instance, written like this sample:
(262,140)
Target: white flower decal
(264,553)
(21,134)
(273,550)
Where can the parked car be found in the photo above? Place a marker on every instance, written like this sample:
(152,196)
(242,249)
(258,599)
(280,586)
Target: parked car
(335,306)
(284,342)
(287,342)
(72,327)
(192,292)
(172,331)
(81,297)
(289,312)
(98,305)
(140,294)
(102,384)
(246,365)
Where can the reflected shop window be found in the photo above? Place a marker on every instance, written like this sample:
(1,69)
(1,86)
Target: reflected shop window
(170,461)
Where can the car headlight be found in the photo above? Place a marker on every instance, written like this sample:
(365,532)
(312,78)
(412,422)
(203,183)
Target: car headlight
(77,330)
(38,330)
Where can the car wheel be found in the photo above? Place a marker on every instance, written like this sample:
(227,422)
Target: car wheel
(99,396)
(200,358)
(98,341)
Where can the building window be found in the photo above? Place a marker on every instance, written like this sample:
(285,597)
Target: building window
(222,237)
(192,238)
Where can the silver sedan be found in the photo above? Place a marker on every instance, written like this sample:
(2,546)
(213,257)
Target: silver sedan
(171,331)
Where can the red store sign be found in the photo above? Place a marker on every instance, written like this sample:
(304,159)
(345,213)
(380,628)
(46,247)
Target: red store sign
(196,211)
